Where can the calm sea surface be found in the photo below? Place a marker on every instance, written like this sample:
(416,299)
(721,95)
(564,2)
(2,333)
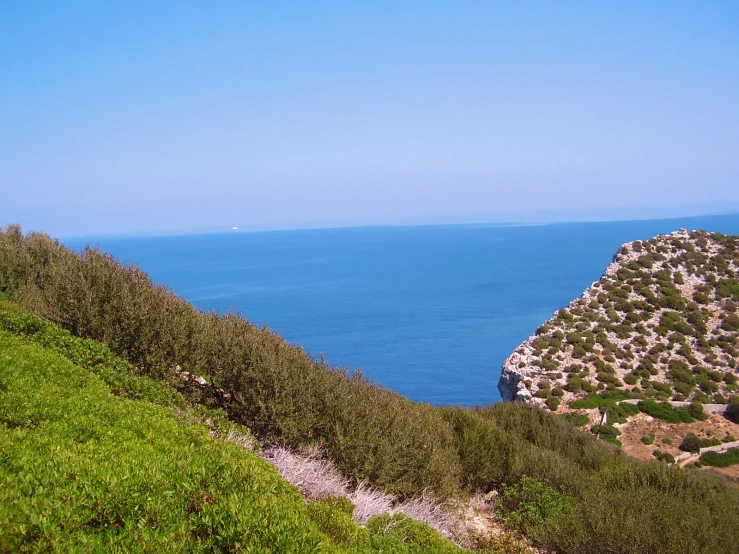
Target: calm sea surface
(431,312)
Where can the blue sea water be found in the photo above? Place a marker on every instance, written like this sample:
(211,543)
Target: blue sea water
(430,312)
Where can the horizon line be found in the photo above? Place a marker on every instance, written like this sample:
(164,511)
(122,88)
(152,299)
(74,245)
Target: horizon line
(241,229)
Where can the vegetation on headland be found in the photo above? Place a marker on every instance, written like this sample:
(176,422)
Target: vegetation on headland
(560,487)
(661,324)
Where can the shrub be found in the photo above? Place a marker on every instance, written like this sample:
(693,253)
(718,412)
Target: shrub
(399,533)
(587,403)
(366,431)
(725,459)
(531,504)
(696,411)
(664,456)
(578,420)
(553,403)
(333,516)
(691,443)
(730,323)
(112,474)
(648,439)
(732,410)
(574,384)
(665,411)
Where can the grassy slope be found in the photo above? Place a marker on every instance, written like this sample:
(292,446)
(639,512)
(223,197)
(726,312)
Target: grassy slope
(82,468)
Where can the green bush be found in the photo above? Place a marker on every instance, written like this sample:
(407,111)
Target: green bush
(732,410)
(553,402)
(664,456)
(481,446)
(608,431)
(333,516)
(531,504)
(723,459)
(648,439)
(730,323)
(578,420)
(663,410)
(691,443)
(588,403)
(402,534)
(697,412)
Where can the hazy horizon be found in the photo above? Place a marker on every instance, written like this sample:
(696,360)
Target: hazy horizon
(509,220)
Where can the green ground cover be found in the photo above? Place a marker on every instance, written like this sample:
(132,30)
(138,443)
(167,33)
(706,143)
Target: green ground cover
(107,464)
(721,459)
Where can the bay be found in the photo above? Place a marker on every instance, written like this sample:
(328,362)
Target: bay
(430,312)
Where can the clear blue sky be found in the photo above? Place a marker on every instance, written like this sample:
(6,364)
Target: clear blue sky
(120,117)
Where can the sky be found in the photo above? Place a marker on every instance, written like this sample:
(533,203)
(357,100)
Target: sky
(148,117)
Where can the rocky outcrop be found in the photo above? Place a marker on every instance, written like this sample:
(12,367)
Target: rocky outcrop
(662,322)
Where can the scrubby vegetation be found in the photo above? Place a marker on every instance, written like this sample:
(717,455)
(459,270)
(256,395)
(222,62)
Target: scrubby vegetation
(95,458)
(661,324)
(566,491)
(692,443)
(721,459)
(665,411)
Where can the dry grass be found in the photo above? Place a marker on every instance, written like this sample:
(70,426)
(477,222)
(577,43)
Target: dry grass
(370,502)
(245,440)
(317,478)
(431,512)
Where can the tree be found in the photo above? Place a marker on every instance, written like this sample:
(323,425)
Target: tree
(691,443)
(732,410)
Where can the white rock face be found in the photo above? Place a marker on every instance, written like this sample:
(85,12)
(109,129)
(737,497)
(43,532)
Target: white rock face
(516,370)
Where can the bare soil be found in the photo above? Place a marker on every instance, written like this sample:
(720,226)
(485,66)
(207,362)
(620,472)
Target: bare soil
(715,427)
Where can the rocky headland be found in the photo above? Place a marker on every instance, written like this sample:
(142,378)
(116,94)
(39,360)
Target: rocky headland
(661,323)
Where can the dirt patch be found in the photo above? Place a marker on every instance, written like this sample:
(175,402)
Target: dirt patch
(480,528)
(715,427)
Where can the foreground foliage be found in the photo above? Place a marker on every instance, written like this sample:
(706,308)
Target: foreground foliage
(82,468)
(591,499)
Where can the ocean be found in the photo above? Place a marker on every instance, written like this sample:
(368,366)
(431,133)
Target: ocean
(430,312)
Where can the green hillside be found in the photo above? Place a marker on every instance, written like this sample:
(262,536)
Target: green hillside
(94,458)
(561,488)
